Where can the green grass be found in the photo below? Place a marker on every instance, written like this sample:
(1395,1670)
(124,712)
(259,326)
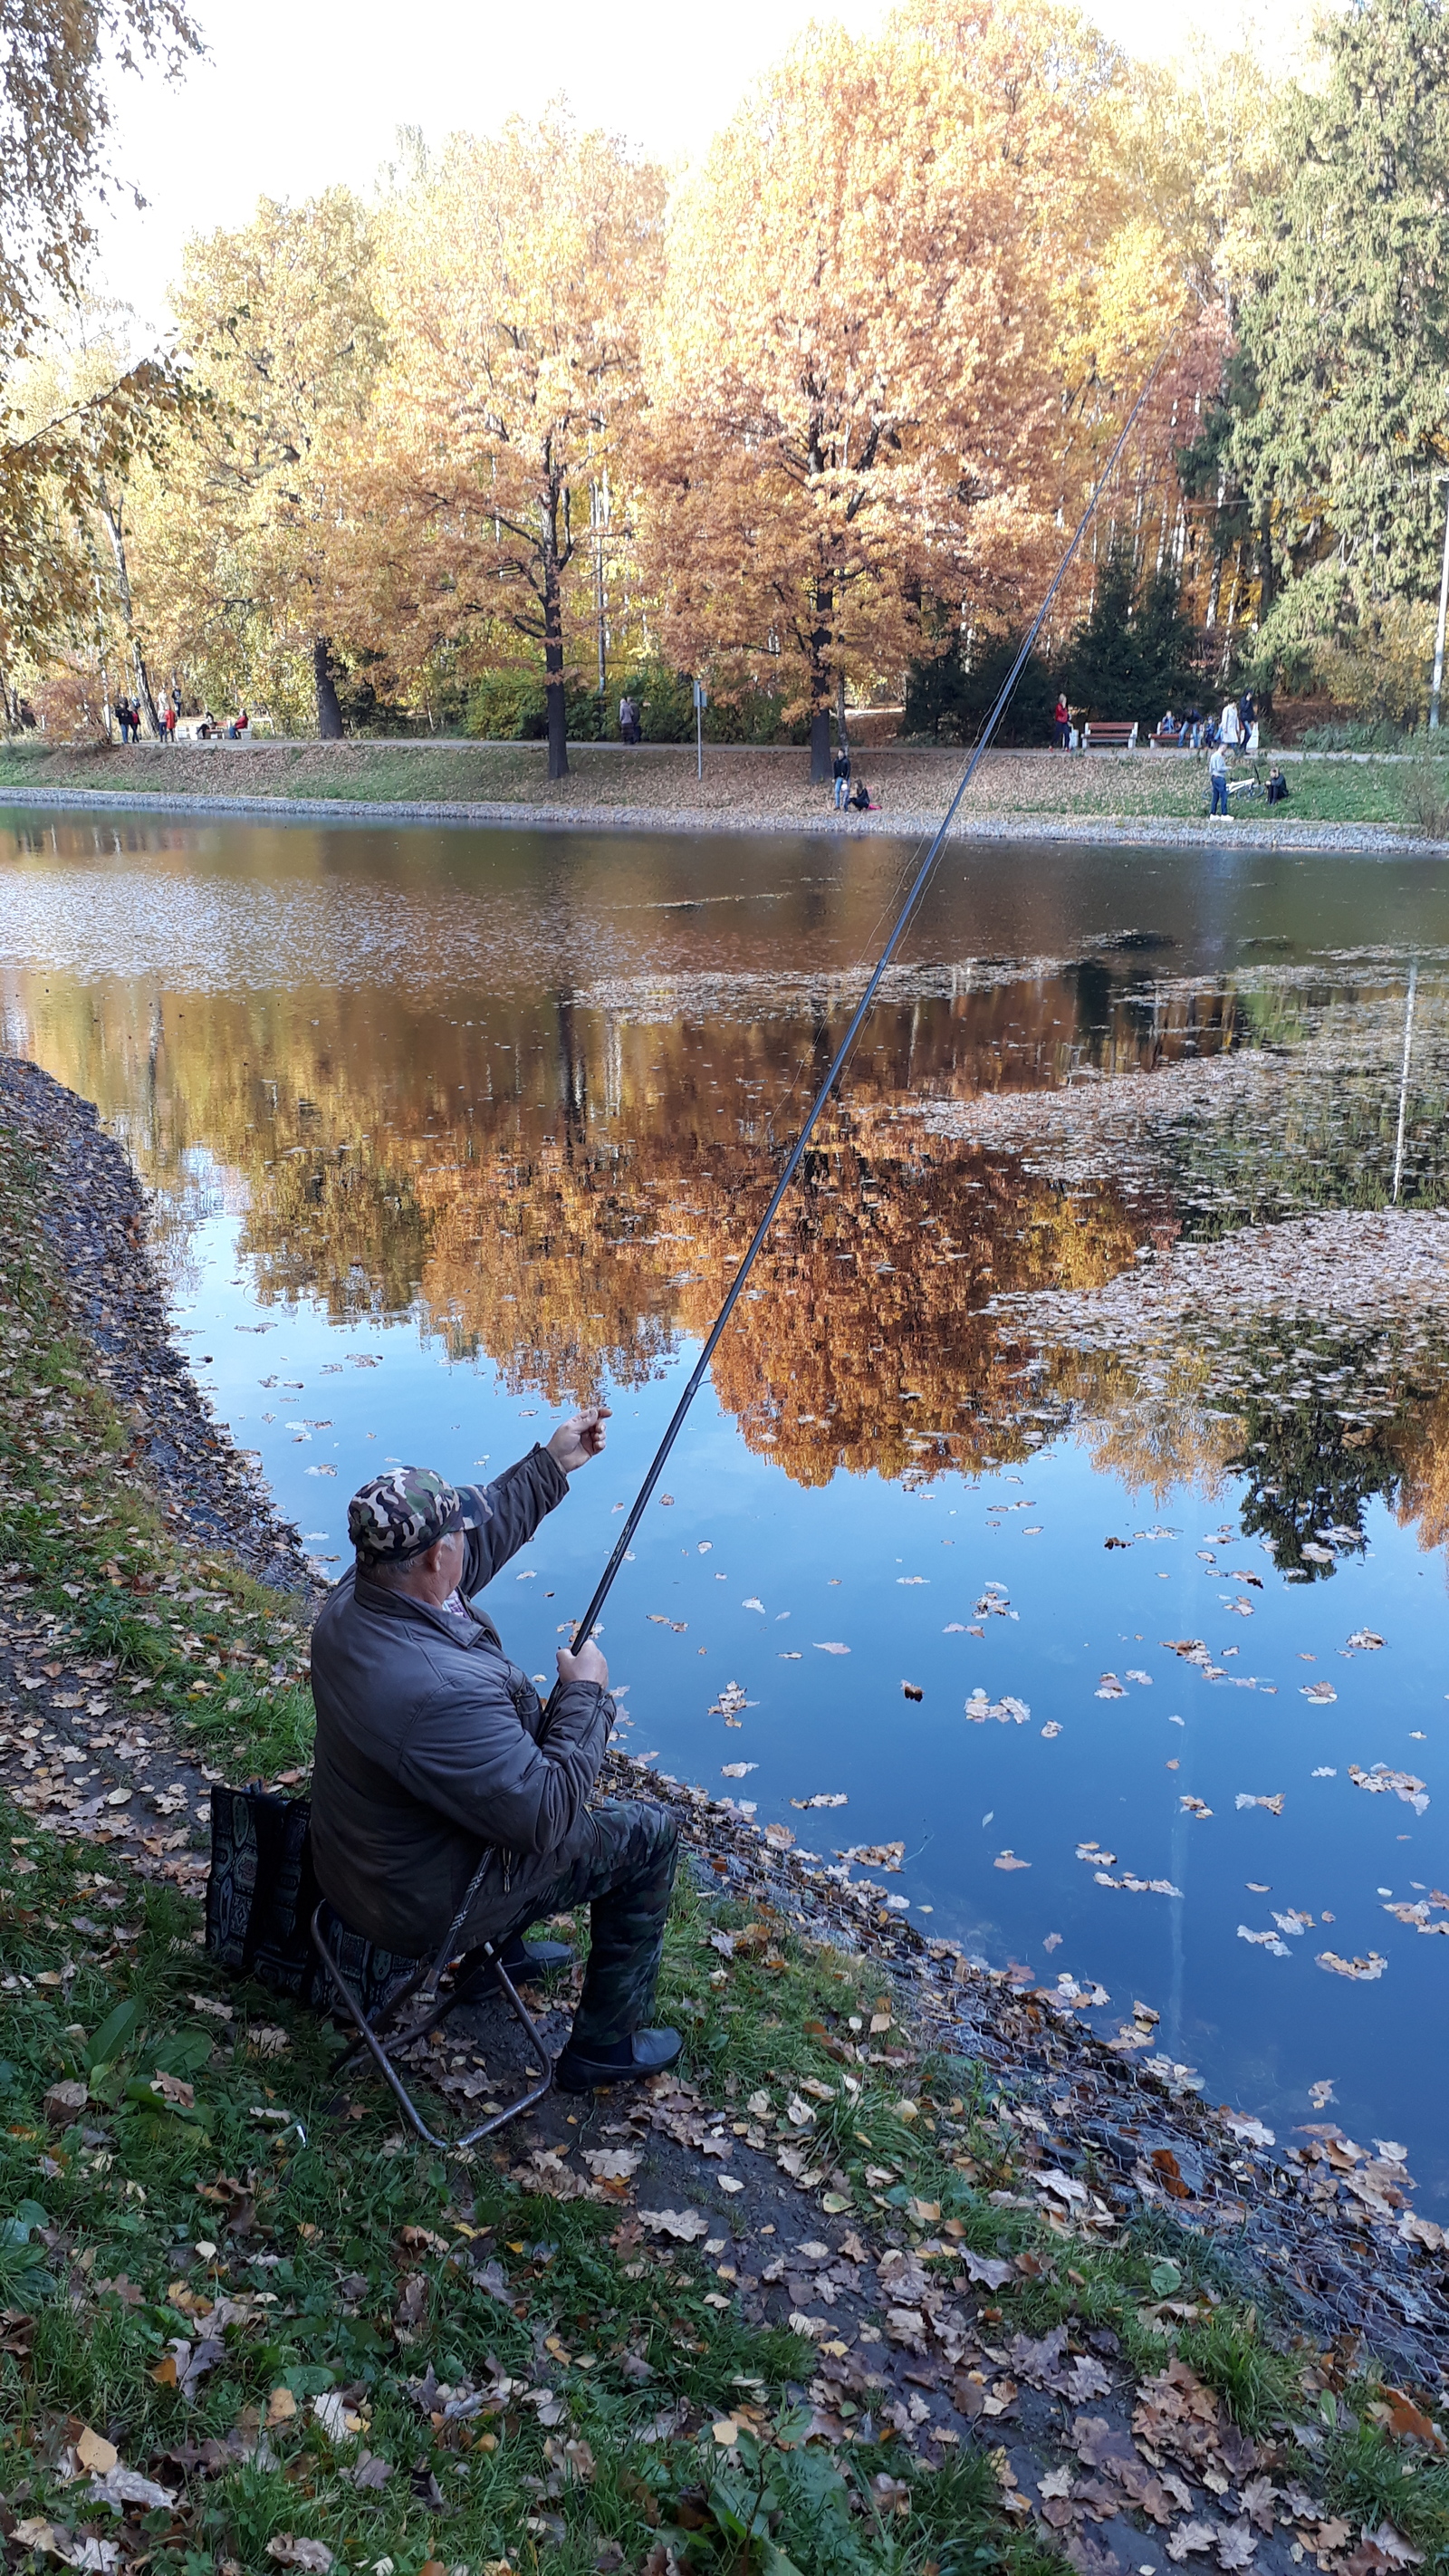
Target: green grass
(1166,786)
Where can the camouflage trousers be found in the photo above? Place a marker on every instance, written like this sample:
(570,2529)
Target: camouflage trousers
(620,1862)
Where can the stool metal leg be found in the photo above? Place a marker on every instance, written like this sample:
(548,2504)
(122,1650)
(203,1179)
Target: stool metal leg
(379,2052)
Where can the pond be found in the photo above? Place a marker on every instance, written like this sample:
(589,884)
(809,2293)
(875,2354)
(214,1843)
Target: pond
(1067,1516)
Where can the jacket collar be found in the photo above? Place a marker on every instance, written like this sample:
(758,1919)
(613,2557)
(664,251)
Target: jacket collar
(380,1598)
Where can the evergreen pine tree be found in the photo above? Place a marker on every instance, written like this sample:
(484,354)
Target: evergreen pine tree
(1346,332)
(1134,656)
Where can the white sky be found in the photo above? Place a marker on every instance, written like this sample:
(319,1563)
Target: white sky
(297,93)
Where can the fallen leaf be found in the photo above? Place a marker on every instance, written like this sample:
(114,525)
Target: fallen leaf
(1366,1971)
(1188,2538)
(313,2555)
(684,2224)
(1236,2545)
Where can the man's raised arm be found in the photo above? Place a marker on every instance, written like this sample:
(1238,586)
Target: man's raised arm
(515,1503)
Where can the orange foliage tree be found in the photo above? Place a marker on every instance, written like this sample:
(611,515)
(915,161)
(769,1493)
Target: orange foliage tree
(857,362)
(514,275)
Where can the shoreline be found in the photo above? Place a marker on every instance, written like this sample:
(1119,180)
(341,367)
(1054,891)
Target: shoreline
(1130,831)
(1324,2251)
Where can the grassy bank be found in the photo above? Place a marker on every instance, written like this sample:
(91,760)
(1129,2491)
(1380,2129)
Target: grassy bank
(229,2341)
(749,785)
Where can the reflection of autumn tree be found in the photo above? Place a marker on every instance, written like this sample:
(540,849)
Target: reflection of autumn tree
(1154,1433)
(1422,1446)
(867,1343)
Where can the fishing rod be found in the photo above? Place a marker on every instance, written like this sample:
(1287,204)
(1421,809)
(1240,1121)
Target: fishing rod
(796,1154)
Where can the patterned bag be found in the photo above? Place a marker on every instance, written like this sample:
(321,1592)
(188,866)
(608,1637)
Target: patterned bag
(262,1890)
(260,1899)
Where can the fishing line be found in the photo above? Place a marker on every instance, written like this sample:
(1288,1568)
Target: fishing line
(919,883)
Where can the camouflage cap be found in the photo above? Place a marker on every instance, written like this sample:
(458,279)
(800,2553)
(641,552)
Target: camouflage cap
(405,1511)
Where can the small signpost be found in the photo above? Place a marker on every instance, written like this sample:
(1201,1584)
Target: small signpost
(701,701)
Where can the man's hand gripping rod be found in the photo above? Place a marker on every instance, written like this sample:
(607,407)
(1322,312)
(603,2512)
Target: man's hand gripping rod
(842,1052)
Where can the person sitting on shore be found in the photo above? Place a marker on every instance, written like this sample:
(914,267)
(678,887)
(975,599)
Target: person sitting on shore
(860,802)
(1277,786)
(438,1770)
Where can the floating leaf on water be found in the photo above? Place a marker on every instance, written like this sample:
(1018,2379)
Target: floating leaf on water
(1366,1971)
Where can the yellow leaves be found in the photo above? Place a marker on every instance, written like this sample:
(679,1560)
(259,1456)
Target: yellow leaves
(512,276)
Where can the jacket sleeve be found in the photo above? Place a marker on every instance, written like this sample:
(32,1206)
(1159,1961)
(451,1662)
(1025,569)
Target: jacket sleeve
(472,1759)
(509,1511)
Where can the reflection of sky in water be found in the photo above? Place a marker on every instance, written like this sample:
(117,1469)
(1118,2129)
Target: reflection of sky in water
(492,1112)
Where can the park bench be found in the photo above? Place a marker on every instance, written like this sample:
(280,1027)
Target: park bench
(1109,737)
(1160,741)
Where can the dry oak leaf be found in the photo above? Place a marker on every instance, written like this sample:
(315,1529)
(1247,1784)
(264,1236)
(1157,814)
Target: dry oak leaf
(683,2224)
(1409,2421)
(1259,2498)
(312,2555)
(1099,2445)
(1090,2558)
(987,2269)
(1189,2537)
(1236,2545)
(612,2164)
(1384,2548)
(907,2326)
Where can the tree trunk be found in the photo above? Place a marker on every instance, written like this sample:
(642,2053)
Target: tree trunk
(329,713)
(112,519)
(821,691)
(148,694)
(553,669)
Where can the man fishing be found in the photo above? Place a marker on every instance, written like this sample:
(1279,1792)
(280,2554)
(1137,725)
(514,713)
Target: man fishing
(434,1752)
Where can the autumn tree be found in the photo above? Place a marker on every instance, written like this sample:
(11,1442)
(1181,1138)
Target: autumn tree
(858,400)
(55,119)
(102,422)
(279,322)
(513,280)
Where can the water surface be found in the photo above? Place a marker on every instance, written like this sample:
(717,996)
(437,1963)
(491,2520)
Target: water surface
(451,1128)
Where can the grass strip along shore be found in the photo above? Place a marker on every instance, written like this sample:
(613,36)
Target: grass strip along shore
(903,2269)
(749,788)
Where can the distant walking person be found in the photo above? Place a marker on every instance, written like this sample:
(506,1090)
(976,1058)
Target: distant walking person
(840,771)
(1218,778)
(628,719)
(1230,730)
(1062,721)
(168,720)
